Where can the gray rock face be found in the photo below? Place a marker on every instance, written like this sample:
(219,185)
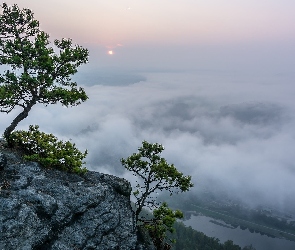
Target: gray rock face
(48,209)
(3,161)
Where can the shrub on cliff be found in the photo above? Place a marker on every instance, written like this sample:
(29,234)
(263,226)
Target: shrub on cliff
(48,150)
(155,174)
(163,221)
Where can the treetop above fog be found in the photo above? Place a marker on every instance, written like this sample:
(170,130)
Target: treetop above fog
(38,71)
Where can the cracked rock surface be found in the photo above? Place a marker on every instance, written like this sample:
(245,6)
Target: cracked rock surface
(48,209)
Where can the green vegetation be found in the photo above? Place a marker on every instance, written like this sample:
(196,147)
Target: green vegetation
(256,220)
(162,222)
(38,72)
(190,239)
(186,238)
(48,150)
(155,175)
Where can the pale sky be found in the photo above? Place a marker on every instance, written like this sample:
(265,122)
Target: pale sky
(193,31)
(166,21)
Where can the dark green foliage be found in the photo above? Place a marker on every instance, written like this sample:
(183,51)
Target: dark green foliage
(39,73)
(256,220)
(190,239)
(163,221)
(48,150)
(156,174)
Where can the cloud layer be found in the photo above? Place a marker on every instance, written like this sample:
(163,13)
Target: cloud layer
(230,133)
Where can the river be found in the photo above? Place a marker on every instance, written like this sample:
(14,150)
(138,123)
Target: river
(240,237)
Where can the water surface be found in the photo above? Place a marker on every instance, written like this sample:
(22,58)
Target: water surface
(219,229)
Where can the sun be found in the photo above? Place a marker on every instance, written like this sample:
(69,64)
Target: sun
(110,52)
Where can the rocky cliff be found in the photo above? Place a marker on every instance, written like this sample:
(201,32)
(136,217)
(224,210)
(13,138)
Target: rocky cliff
(48,209)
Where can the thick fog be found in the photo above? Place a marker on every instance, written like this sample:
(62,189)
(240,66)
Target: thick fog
(233,132)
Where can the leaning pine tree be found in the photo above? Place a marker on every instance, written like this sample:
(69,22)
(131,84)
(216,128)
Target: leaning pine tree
(37,72)
(155,174)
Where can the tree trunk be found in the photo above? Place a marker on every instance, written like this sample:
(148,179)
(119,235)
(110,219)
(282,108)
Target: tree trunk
(16,121)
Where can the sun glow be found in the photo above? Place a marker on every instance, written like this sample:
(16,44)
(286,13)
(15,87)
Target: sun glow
(110,52)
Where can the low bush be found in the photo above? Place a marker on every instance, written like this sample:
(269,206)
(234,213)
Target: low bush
(163,221)
(48,150)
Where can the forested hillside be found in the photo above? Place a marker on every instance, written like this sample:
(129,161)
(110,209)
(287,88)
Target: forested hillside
(190,239)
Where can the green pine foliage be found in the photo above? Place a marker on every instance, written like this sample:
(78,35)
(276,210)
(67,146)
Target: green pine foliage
(162,222)
(38,71)
(155,174)
(48,150)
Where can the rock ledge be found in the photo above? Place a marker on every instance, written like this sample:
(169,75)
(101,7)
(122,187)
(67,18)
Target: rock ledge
(48,209)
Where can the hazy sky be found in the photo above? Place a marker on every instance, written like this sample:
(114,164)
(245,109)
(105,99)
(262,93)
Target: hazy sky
(174,34)
(166,22)
(213,81)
